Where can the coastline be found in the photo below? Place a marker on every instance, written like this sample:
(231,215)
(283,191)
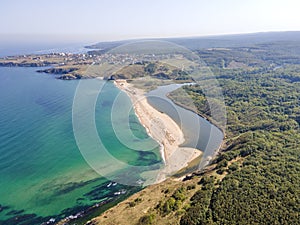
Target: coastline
(210,120)
(162,129)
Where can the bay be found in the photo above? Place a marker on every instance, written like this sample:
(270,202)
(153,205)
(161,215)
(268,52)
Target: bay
(42,171)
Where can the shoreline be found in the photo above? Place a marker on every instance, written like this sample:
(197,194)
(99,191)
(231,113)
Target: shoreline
(162,129)
(210,120)
(169,154)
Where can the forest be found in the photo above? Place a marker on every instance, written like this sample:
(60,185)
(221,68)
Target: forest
(256,177)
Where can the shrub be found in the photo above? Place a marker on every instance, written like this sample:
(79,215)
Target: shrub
(147,220)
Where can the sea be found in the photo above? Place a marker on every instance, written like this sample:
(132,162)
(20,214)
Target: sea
(51,165)
(43,173)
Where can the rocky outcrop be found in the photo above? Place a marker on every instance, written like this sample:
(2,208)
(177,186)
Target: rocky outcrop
(64,73)
(118,76)
(70,77)
(58,70)
(24,64)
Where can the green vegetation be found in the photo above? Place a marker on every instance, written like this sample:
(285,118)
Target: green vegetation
(197,213)
(147,220)
(173,203)
(256,179)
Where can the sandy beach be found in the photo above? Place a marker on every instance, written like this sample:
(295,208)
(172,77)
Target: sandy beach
(162,129)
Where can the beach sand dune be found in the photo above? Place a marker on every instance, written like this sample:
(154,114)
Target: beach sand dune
(162,129)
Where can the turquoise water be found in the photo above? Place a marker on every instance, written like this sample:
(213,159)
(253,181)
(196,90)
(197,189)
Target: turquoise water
(42,171)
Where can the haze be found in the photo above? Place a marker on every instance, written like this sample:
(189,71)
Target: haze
(94,20)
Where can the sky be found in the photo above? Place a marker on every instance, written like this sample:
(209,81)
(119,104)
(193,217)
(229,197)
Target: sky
(105,20)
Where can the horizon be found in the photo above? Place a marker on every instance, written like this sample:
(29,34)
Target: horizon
(117,20)
(60,39)
(35,44)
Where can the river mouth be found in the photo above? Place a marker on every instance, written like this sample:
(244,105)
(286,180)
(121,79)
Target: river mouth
(39,153)
(198,132)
